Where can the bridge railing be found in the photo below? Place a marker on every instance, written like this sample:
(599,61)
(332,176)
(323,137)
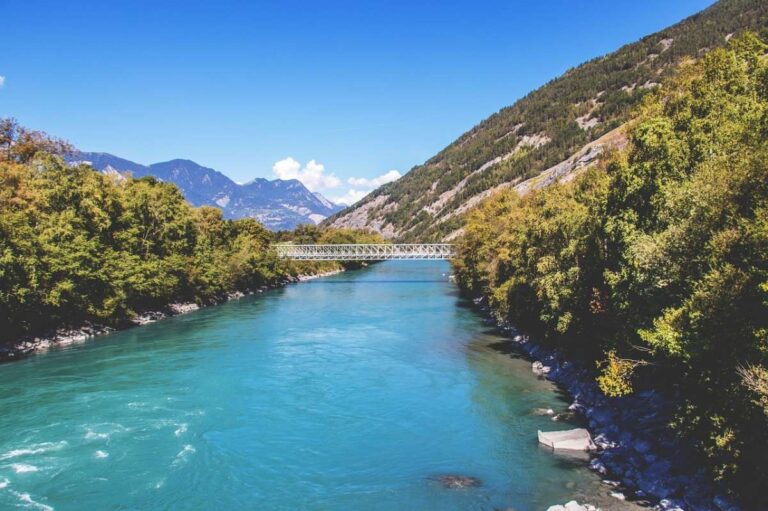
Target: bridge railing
(365,252)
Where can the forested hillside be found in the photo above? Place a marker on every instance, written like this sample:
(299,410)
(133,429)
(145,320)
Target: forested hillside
(77,245)
(544,129)
(654,264)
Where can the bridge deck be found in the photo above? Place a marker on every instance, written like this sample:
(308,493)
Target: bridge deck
(365,252)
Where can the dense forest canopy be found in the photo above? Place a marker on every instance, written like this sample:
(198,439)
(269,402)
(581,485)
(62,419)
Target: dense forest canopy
(654,265)
(77,245)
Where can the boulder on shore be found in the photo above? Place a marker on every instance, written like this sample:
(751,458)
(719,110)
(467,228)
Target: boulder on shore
(573,506)
(572,439)
(540,369)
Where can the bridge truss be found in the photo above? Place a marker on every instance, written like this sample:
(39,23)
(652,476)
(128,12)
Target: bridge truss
(365,252)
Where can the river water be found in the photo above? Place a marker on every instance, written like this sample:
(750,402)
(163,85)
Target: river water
(349,392)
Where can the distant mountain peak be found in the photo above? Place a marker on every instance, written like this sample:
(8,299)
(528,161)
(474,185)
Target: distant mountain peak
(278,204)
(324,201)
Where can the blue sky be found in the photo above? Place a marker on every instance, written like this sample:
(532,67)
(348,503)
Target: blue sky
(339,93)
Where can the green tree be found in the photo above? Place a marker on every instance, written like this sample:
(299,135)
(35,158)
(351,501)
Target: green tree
(654,264)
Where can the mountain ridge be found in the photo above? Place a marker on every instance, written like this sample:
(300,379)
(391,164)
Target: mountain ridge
(279,204)
(544,129)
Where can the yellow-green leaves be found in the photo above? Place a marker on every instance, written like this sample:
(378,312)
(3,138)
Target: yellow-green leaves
(615,379)
(666,336)
(656,262)
(76,245)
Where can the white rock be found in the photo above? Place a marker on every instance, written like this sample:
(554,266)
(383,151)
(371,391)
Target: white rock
(574,506)
(598,466)
(572,439)
(183,308)
(618,495)
(602,442)
(540,369)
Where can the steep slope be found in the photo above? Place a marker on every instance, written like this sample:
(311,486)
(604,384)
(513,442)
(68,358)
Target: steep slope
(278,204)
(282,204)
(200,185)
(545,130)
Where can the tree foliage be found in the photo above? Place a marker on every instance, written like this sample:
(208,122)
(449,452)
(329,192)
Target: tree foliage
(77,245)
(655,264)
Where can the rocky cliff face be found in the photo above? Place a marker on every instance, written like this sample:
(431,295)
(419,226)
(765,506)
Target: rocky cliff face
(278,204)
(560,128)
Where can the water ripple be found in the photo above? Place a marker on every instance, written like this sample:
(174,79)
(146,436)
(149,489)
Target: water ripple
(33,449)
(334,397)
(27,499)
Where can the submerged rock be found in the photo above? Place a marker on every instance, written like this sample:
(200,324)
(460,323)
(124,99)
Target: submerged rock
(567,416)
(453,481)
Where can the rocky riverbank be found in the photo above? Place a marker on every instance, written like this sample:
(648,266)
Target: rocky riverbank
(64,337)
(636,453)
(304,278)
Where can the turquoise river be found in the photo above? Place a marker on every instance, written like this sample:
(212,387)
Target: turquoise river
(351,392)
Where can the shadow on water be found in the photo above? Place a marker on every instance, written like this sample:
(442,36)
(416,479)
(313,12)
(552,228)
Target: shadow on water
(500,343)
(465,302)
(507,347)
(566,460)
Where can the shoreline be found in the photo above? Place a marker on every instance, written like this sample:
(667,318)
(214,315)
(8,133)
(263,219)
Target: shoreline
(63,337)
(637,456)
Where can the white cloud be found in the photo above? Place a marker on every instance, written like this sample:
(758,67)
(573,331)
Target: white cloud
(362,186)
(361,182)
(314,177)
(287,168)
(313,174)
(2,80)
(350,197)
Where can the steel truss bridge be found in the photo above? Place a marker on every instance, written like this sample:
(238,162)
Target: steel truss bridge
(365,252)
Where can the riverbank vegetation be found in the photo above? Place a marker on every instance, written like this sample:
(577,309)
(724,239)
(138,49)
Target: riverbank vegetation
(653,266)
(77,245)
